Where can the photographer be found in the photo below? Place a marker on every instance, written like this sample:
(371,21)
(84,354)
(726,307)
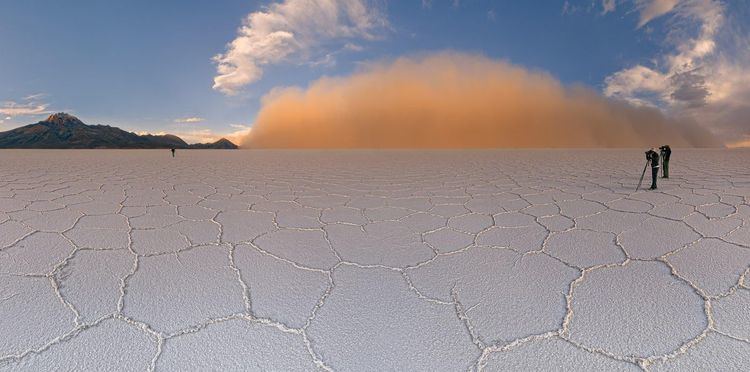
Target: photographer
(653,157)
(666,152)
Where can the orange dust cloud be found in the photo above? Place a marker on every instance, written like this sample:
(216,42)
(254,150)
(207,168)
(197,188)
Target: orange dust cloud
(452,100)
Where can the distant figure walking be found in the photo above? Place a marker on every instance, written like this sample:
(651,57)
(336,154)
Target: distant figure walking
(653,157)
(173,150)
(666,152)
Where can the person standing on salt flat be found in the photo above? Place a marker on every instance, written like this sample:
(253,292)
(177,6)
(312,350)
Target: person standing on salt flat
(173,150)
(653,156)
(666,152)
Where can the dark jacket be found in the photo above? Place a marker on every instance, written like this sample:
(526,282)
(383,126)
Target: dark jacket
(653,156)
(666,152)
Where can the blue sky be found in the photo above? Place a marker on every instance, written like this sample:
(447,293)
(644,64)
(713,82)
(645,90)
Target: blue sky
(144,65)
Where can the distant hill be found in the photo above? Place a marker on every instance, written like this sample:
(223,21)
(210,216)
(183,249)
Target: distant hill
(222,144)
(63,131)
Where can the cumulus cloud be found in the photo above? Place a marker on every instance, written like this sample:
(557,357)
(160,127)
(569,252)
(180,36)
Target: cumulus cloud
(629,84)
(452,100)
(706,75)
(292,28)
(191,119)
(683,70)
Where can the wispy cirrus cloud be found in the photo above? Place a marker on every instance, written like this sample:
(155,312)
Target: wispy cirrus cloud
(652,9)
(34,97)
(29,106)
(191,119)
(647,10)
(11,109)
(292,28)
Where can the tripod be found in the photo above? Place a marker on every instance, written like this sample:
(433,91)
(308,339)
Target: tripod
(642,174)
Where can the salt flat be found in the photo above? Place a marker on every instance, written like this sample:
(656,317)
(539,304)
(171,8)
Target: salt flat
(358,260)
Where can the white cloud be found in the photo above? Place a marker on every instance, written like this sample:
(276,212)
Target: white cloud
(608,6)
(189,120)
(680,76)
(629,84)
(11,109)
(291,28)
(34,97)
(705,77)
(652,9)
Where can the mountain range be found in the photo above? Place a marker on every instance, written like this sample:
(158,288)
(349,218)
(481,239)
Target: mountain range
(64,131)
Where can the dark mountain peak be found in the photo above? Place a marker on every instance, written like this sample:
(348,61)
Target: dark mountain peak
(222,144)
(224,141)
(63,119)
(172,137)
(65,131)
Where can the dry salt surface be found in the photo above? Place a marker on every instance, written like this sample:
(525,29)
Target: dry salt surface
(356,261)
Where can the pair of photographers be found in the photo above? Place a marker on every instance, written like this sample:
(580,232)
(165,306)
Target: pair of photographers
(652,156)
